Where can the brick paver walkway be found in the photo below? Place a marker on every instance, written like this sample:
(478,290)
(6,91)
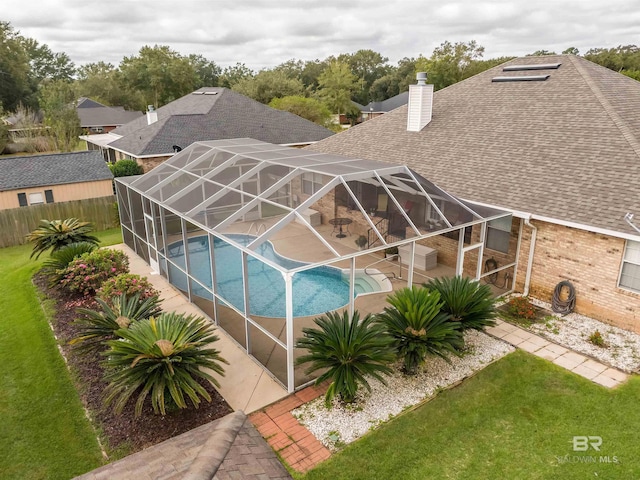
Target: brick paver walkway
(294,443)
(562,356)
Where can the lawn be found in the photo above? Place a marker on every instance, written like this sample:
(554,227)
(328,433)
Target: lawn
(44,433)
(513,420)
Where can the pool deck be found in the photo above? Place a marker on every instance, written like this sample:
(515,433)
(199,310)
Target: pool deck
(246,386)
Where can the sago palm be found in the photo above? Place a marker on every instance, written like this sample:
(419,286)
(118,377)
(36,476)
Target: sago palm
(54,234)
(469,303)
(97,326)
(162,357)
(418,326)
(349,350)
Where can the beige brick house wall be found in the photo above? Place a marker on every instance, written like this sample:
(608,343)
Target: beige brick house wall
(590,261)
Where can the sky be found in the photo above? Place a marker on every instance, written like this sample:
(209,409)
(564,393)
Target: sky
(263,34)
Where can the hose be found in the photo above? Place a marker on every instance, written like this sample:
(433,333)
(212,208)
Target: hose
(560,306)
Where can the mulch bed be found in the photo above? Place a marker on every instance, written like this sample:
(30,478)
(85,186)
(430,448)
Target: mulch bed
(123,430)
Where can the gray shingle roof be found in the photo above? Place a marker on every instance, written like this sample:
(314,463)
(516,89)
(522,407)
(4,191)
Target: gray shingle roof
(55,169)
(388,104)
(226,114)
(94,114)
(567,148)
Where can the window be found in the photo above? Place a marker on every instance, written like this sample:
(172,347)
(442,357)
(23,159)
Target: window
(630,274)
(311,183)
(22,199)
(35,198)
(48,196)
(432,214)
(498,234)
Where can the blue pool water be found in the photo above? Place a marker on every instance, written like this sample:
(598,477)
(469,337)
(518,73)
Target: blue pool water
(315,291)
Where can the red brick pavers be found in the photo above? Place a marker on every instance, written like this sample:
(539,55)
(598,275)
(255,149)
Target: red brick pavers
(293,442)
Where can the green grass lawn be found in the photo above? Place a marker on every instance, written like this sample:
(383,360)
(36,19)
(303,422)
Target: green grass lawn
(44,433)
(511,421)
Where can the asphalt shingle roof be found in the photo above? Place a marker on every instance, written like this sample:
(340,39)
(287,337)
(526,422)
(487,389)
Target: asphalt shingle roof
(94,114)
(567,148)
(225,114)
(55,169)
(388,104)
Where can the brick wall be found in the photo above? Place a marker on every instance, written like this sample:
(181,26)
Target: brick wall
(151,163)
(590,261)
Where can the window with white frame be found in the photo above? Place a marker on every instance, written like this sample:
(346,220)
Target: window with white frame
(36,198)
(432,214)
(498,234)
(311,183)
(630,273)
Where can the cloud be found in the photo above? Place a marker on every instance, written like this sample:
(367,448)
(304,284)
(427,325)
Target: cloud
(264,33)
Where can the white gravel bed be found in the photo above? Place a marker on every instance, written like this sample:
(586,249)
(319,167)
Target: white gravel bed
(622,347)
(342,424)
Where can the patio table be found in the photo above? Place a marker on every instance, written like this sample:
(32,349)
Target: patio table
(340,222)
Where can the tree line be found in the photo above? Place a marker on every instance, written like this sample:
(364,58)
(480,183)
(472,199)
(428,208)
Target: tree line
(35,77)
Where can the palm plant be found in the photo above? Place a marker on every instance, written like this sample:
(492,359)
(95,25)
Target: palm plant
(469,303)
(95,327)
(62,257)
(348,350)
(163,356)
(419,327)
(54,234)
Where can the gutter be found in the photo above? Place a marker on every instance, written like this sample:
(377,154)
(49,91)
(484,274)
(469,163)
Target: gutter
(532,248)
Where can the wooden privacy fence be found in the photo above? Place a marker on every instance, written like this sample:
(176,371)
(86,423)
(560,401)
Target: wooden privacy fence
(16,223)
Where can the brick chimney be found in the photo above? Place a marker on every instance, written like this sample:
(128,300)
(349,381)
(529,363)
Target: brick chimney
(420,104)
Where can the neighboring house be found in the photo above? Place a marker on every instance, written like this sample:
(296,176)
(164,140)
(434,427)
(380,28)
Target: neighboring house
(97,118)
(60,177)
(553,139)
(209,113)
(375,109)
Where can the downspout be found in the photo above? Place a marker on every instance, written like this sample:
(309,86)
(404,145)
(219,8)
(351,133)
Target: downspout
(532,248)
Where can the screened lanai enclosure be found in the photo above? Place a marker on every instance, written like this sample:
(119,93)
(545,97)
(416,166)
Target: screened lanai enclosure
(265,238)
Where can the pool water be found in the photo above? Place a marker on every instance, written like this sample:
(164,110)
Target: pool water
(315,291)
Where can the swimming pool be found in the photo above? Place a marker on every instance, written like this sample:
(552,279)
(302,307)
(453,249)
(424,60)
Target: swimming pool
(315,291)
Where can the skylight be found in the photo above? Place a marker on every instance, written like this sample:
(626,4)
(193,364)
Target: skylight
(521,78)
(539,66)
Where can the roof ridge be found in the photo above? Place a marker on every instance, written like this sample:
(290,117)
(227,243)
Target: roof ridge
(627,133)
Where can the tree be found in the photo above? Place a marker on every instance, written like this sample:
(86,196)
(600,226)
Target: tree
(620,59)
(55,234)
(103,82)
(571,51)
(267,85)
(449,63)
(163,358)
(308,108)
(161,74)
(347,350)
(207,72)
(336,84)
(419,327)
(58,100)
(233,74)
(541,53)
(15,87)
(46,64)
(367,66)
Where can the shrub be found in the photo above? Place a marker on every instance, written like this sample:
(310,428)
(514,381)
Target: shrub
(60,260)
(125,168)
(162,357)
(129,284)
(87,273)
(97,326)
(361,241)
(419,327)
(521,307)
(55,234)
(468,302)
(348,350)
